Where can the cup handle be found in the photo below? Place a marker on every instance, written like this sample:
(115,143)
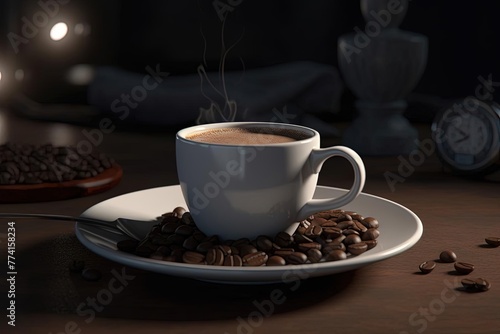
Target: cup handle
(316,159)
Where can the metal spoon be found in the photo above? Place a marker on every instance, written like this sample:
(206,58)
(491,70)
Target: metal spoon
(136,229)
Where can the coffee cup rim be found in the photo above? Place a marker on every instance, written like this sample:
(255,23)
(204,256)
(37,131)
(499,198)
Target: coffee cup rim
(183,133)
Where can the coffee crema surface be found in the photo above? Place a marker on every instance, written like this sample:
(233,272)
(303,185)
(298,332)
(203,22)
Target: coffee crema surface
(247,136)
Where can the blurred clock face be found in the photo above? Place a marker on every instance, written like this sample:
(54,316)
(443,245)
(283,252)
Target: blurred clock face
(468,136)
(468,139)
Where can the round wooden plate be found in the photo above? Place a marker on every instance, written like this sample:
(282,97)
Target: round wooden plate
(55,191)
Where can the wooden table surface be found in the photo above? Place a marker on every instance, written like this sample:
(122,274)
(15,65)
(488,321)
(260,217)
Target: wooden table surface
(385,297)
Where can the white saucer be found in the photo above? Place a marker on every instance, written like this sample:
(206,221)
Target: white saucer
(399,229)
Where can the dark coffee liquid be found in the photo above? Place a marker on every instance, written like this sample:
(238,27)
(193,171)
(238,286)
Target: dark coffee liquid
(247,136)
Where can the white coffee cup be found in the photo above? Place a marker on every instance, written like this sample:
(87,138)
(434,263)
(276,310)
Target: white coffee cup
(241,190)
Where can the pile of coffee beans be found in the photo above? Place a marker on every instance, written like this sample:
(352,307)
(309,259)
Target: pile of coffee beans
(326,236)
(34,164)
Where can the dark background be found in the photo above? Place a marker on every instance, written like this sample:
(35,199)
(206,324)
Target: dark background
(180,35)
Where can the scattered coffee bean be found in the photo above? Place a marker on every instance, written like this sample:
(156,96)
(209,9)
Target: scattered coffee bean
(476,285)
(427,266)
(493,241)
(448,256)
(464,268)
(482,284)
(77,266)
(90,274)
(370,222)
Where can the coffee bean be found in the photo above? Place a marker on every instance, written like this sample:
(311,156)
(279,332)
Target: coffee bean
(240,242)
(179,211)
(187,219)
(247,249)
(284,252)
(191,257)
(349,231)
(370,222)
(345,224)
(175,239)
(493,241)
(91,274)
(352,239)
(357,248)
(304,247)
(332,247)
(359,226)
(76,266)
(215,257)
(255,259)
(264,244)
(275,260)
(190,243)
(233,261)
(319,221)
(296,258)
(177,253)
(314,255)
(203,247)
(328,223)
(344,217)
(226,250)
(283,239)
(336,255)
(370,243)
(332,232)
(482,284)
(468,283)
(448,256)
(301,238)
(357,217)
(313,231)
(476,285)
(371,234)
(184,230)
(464,268)
(427,266)
(127,245)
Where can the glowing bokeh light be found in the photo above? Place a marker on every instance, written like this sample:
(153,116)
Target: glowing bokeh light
(0,76)
(82,29)
(19,74)
(59,31)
